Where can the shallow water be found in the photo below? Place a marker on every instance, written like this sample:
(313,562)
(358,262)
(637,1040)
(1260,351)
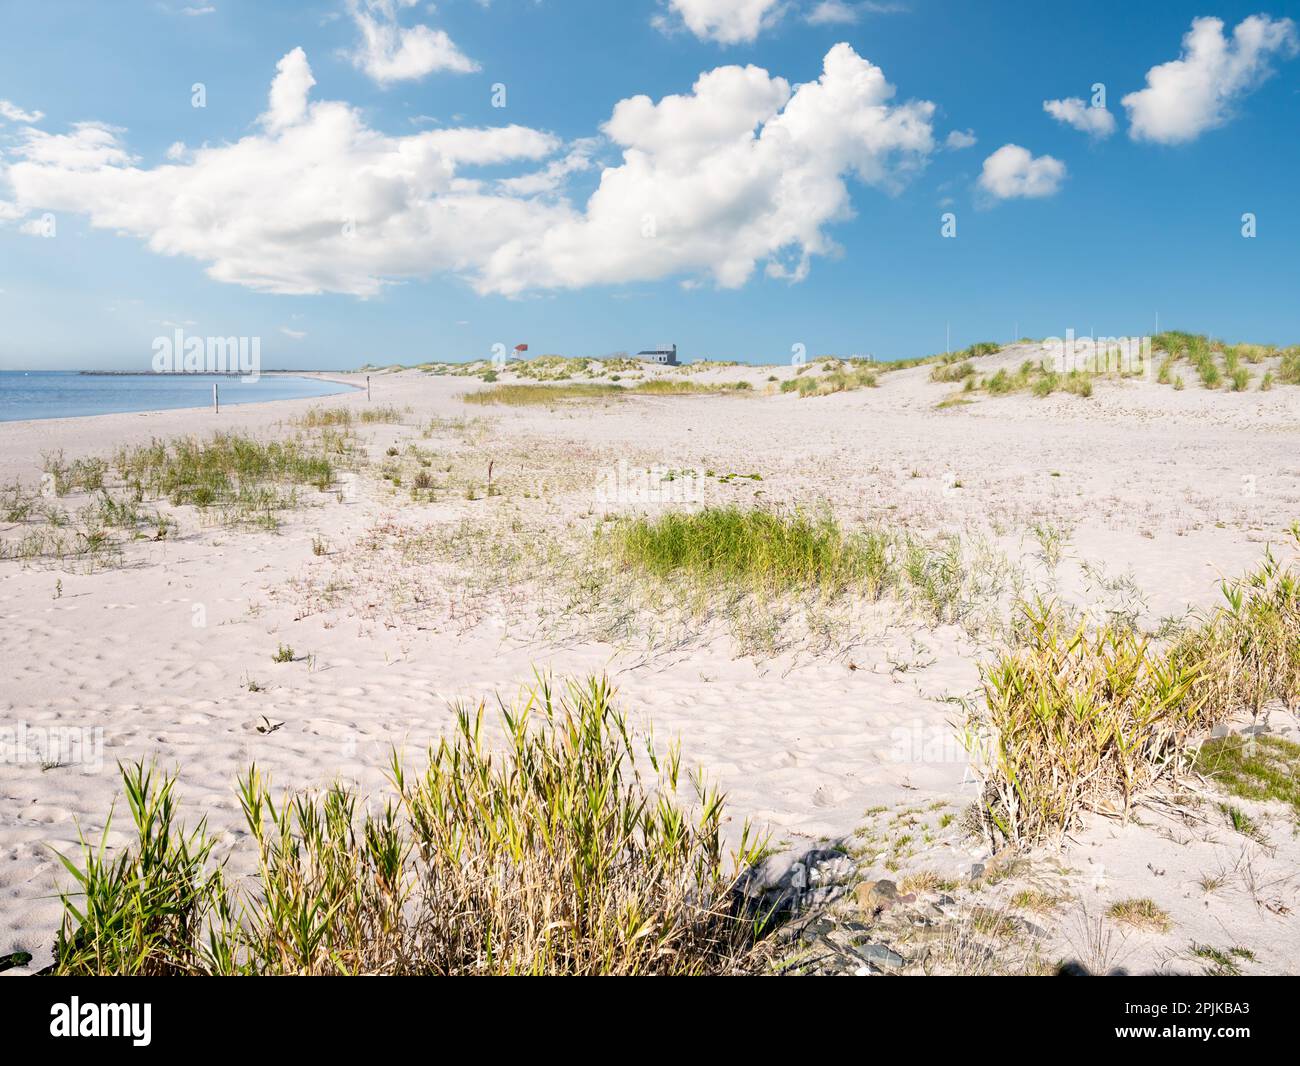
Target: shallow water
(67,394)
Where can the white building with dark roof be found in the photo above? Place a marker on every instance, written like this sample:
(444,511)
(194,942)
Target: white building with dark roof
(665,354)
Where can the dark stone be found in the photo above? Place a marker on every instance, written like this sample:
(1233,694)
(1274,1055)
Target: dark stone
(881,954)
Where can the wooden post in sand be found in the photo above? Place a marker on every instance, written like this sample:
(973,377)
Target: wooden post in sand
(216,401)
(367,386)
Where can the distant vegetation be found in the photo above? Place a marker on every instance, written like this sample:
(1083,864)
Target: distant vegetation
(529,395)
(975,351)
(318,417)
(1218,365)
(824,377)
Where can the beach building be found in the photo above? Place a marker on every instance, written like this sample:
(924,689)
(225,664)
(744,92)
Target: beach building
(664,353)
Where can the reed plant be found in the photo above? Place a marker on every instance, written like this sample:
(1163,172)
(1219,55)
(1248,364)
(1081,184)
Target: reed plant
(1077,718)
(1249,645)
(562,850)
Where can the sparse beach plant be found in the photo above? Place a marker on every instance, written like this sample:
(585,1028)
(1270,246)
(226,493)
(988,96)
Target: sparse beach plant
(1140,914)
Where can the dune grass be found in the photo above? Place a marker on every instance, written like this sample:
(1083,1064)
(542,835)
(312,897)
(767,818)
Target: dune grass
(551,855)
(533,395)
(1289,368)
(757,549)
(975,351)
(318,417)
(1031,377)
(235,478)
(771,554)
(1217,363)
(834,378)
(949,372)
(1078,718)
(1074,720)
(674,387)
(1250,646)
(244,479)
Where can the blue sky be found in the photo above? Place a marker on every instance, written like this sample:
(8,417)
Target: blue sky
(747,184)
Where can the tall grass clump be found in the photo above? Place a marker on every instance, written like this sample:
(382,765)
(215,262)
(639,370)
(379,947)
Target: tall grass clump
(674,387)
(1080,719)
(149,910)
(1288,370)
(721,554)
(319,417)
(945,372)
(975,351)
(1250,645)
(551,854)
(758,550)
(1075,720)
(1178,343)
(380,414)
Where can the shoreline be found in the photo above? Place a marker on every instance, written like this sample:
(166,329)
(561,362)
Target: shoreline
(336,377)
(26,439)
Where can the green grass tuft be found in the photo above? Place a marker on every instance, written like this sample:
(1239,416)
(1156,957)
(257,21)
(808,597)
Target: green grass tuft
(758,549)
(1258,767)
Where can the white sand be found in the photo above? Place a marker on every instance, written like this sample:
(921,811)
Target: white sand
(1161,493)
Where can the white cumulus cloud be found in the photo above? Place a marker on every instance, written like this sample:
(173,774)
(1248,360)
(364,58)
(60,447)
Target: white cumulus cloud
(743,172)
(289,91)
(1013,172)
(389,52)
(1192,94)
(739,172)
(959,139)
(1090,119)
(14,113)
(723,21)
(833,13)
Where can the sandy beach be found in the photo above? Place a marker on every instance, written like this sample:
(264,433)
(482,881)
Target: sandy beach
(830,730)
